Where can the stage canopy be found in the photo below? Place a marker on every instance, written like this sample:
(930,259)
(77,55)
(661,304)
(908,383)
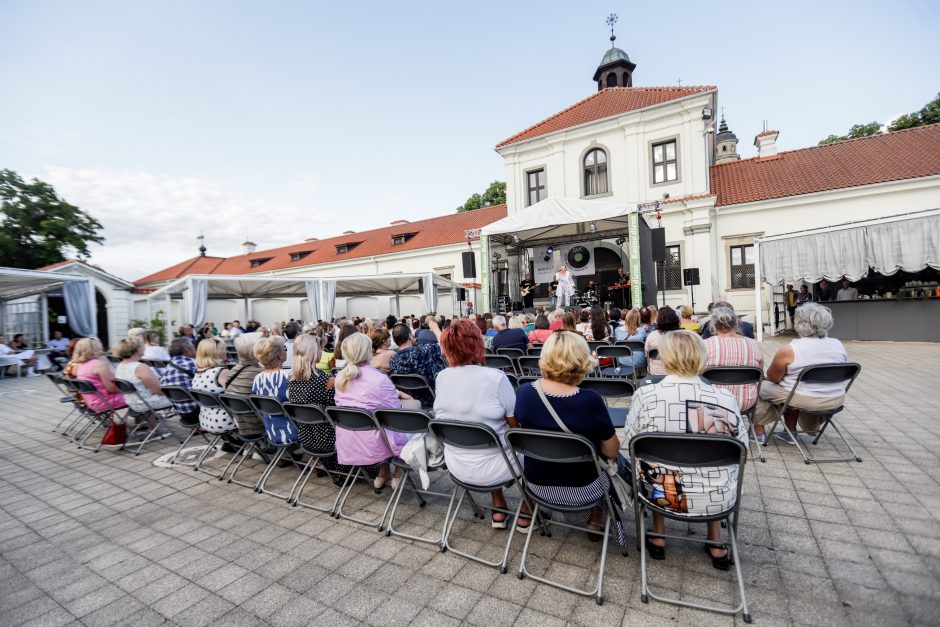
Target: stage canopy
(321,293)
(78,292)
(555,220)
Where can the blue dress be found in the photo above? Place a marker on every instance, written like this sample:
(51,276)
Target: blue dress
(278,427)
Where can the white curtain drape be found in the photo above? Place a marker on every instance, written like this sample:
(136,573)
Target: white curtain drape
(909,245)
(80,307)
(198,301)
(327,299)
(430,294)
(313,299)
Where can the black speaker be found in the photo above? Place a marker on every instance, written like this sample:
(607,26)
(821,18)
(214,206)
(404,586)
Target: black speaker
(469,265)
(690,276)
(658,244)
(461,293)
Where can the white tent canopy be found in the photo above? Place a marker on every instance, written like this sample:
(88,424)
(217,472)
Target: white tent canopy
(555,219)
(78,292)
(321,293)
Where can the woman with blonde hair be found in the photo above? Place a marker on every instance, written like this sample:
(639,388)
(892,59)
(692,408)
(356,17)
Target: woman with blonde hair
(143,377)
(90,367)
(309,385)
(152,347)
(663,408)
(211,376)
(556,403)
(686,321)
(359,384)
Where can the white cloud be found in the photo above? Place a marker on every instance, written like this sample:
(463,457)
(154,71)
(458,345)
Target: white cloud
(151,221)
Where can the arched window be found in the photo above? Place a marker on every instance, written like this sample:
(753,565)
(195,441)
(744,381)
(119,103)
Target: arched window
(611,80)
(595,172)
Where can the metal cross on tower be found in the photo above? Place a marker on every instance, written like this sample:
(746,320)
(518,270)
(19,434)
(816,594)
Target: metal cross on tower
(610,21)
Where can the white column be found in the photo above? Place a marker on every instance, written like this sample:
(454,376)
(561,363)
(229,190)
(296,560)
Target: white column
(758,305)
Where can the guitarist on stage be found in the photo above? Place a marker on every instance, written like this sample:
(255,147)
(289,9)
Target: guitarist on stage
(527,289)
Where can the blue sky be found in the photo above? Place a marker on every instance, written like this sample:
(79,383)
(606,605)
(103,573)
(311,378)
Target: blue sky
(286,120)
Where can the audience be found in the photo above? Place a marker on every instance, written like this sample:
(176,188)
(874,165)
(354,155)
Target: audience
(290,333)
(153,347)
(381,349)
(599,331)
(686,321)
(631,330)
(345,331)
(271,353)
(425,360)
(727,348)
(541,332)
(744,328)
(211,376)
(508,338)
(179,372)
(92,368)
(668,321)
(145,381)
(425,335)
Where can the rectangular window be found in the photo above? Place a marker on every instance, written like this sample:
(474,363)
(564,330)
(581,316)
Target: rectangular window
(665,162)
(669,272)
(742,266)
(535,184)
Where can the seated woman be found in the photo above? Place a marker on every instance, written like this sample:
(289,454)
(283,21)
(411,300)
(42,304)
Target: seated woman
(569,322)
(633,331)
(541,332)
(470,392)
(584,325)
(309,386)
(211,376)
(686,322)
(89,366)
(667,321)
(381,349)
(143,377)
(347,330)
(653,317)
(727,348)
(662,407)
(361,385)
(600,329)
(812,322)
(152,347)
(240,380)
(271,353)
(564,362)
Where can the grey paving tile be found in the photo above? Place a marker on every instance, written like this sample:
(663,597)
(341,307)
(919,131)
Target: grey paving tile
(206,611)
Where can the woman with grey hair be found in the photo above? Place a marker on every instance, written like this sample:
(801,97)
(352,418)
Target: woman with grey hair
(726,346)
(811,322)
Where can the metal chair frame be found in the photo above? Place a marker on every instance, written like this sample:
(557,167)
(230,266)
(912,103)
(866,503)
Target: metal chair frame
(476,436)
(272,406)
(616,352)
(411,383)
(740,375)
(127,388)
(563,448)
(501,362)
(311,415)
(610,388)
(210,400)
(61,385)
(179,394)
(96,419)
(689,449)
(528,365)
(237,405)
(820,373)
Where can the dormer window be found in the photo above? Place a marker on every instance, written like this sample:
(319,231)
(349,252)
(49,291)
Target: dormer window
(345,248)
(299,255)
(258,262)
(401,238)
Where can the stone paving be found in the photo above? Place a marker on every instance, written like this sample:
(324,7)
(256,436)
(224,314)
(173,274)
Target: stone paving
(109,538)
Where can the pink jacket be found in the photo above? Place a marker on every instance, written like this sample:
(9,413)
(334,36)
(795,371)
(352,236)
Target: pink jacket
(372,389)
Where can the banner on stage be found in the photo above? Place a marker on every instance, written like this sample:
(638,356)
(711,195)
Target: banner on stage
(543,263)
(579,258)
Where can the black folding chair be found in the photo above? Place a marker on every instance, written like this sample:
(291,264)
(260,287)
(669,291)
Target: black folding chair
(268,406)
(611,388)
(309,418)
(238,406)
(513,380)
(412,422)
(156,364)
(178,394)
(476,437)
(65,398)
(739,376)
(502,362)
(523,380)
(528,366)
(513,353)
(113,359)
(686,450)
(210,400)
(410,383)
(564,449)
(616,353)
(95,419)
(595,344)
(535,351)
(160,415)
(821,373)
(354,419)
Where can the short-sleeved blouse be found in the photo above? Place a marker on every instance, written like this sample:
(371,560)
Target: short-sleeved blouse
(212,419)
(273,384)
(144,400)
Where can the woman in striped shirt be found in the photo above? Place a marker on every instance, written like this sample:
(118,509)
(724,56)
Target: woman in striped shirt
(727,347)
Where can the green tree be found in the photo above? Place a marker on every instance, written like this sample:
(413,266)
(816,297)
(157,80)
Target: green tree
(930,114)
(495,194)
(37,227)
(857,130)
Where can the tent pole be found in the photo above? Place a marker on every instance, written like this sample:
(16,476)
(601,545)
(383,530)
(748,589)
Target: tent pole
(44,318)
(758,310)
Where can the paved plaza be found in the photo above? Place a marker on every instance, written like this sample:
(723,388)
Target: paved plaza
(109,538)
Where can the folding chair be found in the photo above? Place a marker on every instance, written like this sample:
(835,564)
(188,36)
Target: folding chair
(240,406)
(156,364)
(66,398)
(611,388)
(113,359)
(616,353)
(739,376)
(178,394)
(502,362)
(267,406)
(209,400)
(529,379)
(412,422)
(513,353)
(513,380)
(409,383)
(535,351)
(96,419)
(528,365)
(477,437)
(354,419)
(308,418)
(595,344)
(687,450)
(160,415)
(822,373)
(563,448)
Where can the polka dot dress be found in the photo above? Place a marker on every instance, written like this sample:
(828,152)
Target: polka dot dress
(212,419)
(316,437)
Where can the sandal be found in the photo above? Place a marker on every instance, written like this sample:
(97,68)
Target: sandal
(720,563)
(499,523)
(524,523)
(596,533)
(655,551)
(379,483)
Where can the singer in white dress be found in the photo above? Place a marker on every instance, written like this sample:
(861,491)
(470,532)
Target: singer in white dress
(565,287)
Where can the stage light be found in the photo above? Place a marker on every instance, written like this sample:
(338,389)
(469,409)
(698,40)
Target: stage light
(593,227)
(621,241)
(550,250)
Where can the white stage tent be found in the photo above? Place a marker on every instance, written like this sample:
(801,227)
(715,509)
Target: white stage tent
(559,220)
(909,242)
(321,293)
(77,291)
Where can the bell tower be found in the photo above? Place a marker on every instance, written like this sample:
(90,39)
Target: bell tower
(615,69)
(726,144)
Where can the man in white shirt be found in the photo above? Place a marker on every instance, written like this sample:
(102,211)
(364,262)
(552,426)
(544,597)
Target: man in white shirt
(847,292)
(290,332)
(57,345)
(26,358)
(236,329)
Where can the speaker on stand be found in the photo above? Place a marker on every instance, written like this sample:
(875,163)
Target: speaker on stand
(658,250)
(690,278)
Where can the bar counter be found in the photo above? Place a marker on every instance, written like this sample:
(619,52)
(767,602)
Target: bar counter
(910,320)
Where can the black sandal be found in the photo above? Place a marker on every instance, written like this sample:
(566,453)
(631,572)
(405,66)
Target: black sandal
(720,563)
(655,551)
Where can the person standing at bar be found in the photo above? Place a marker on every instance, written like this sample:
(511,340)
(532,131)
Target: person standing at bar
(847,292)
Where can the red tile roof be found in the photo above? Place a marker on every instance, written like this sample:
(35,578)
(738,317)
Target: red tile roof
(761,134)
(606,103)
(440,231)
(907,154)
